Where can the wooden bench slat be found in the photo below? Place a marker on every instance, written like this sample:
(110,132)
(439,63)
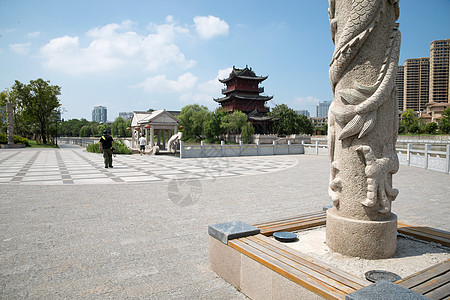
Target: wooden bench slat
(287,271)
(299,217)
(292,220)
(424,236)
(294,227)
(343,277)
(442,292)
(432,284)
(327,281)
(411,281)
(428,230)
(313,222)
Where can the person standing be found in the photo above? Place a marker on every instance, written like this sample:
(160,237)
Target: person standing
(106,143)
(142,144)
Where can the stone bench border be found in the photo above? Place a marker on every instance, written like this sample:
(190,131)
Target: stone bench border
(263,268)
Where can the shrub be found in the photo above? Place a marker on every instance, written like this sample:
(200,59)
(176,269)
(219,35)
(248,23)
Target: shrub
(21,140)
(17,139)
(120,148)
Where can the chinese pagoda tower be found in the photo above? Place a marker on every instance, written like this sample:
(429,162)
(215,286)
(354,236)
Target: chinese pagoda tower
(243,94)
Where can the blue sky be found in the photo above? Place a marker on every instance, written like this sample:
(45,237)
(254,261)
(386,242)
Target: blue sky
(136,54)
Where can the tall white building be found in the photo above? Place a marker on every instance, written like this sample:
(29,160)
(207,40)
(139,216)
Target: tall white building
(99,114)
(322,109)
(302,112)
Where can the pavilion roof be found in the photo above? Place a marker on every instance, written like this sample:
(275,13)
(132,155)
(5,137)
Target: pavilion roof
(244,97)
(145,117)
(246,73)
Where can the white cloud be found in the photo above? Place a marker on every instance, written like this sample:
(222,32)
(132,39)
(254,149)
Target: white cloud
(20,48)
(187,87)
(210,26)
(160,83)
(205,91)
(116,45)
(34,34)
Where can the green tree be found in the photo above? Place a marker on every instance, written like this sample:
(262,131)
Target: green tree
(119,127)
(40,102)
(234,122)
(431,128)
(289,122)
(410,121)
(193,119)
(305,125)
(445,121)
(21,126)
(213,130)
(101,128)
(247,132)
(85,131)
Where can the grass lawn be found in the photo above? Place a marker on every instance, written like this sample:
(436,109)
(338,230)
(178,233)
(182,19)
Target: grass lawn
(35,144)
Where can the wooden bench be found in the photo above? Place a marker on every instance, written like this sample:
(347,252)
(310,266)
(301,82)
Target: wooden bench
(294,223)
(328,281)
(433,282)
(425,233)
(314,275)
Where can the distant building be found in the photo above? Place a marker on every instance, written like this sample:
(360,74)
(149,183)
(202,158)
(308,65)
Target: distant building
(422,83)
(416,83)
(243,93)
(319,122)
(399,81)
(126,115)
(99,114)
(322,109)
(439,71)
(434,112)
(302,112)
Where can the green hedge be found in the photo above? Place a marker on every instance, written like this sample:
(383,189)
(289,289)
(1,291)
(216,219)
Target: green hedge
(17,139)
(121,148)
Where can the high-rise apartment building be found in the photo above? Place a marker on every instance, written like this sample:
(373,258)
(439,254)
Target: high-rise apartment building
(399,81)
(322,109)
(302,112)
(439,71)
(416,83)
(99,114)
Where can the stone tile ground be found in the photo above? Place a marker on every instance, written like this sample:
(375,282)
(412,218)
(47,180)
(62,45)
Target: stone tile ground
(71,229)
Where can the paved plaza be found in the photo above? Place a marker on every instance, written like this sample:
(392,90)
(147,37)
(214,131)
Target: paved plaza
(73,165)
(70,228)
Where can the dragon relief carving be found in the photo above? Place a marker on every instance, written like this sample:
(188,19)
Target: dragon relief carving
(377,171)
(355,110)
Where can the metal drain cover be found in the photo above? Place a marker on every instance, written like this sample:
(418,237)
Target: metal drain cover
(285,236)
(381,275)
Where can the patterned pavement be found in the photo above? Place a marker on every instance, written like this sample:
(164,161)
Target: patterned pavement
(73,165)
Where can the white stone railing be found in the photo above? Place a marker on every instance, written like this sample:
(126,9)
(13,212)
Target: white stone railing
(427,158)
(223,150)
(316,148)
(83,142)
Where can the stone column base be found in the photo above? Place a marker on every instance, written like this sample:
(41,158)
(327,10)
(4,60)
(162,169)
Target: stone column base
(365,239)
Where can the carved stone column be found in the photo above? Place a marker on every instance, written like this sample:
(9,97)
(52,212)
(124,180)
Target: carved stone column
(363,124)
(10,123)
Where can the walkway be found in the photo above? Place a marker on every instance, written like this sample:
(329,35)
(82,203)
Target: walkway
(73,165)
(144,234)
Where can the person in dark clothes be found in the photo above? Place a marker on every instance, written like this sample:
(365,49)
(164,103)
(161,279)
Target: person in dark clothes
(106,143)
